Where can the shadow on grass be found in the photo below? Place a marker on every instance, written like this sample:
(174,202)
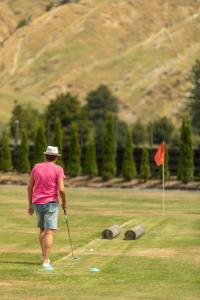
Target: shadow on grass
(20,262)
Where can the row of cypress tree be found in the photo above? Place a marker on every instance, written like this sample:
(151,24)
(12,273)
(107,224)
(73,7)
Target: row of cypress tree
(89,165)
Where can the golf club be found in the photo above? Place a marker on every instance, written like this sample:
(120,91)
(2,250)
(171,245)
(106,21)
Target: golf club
(73,256)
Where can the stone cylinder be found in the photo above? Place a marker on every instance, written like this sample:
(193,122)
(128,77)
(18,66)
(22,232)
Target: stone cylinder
(134,233)
(111,232)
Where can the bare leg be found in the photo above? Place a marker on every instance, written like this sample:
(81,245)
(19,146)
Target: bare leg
(47,244)
(41,237)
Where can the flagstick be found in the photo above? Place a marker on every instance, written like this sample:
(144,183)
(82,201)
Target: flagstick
(163,187)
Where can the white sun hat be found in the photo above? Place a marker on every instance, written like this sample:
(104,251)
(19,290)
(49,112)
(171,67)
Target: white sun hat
(51,150)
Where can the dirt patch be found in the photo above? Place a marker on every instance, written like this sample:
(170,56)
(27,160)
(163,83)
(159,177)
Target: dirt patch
(4,283)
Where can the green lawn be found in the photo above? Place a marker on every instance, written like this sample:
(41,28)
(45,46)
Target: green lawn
(163,264)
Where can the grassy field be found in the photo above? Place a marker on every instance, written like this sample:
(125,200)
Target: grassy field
(163,264)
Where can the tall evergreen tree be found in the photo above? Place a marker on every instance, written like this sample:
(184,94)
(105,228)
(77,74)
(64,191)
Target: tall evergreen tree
(24,164)
(40,144)
(65,106)
(186,161)
(109,149)
(139,133)
(74,164)
(68,109)
(99,103)
(128,164)
(195,96)
(90,164)
(58,140)
(27,117)
(145,171)
(6,160)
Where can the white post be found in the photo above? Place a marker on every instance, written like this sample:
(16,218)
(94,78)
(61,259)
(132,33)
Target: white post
(163,187)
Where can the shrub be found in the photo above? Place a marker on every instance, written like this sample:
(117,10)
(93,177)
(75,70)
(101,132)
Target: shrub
(58,140)
(161,130)
(90,164)
(49,6)
(24,164)
(5,161)
(186,161)
(139,133)
(40,144)
(74,165)
(24,22)
(128,164)
(195,96)
(145,172)
(109,149)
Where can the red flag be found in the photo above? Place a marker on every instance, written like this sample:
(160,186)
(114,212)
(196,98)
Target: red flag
(159,157)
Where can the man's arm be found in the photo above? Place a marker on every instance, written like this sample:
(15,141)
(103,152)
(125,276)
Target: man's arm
(62,193)
(30,193)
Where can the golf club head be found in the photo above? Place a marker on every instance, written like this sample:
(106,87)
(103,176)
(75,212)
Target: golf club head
(75,257)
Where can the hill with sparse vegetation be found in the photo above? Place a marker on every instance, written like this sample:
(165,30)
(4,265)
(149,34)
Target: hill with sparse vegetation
(143,50)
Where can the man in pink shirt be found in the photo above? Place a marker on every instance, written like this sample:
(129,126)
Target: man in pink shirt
(46,182)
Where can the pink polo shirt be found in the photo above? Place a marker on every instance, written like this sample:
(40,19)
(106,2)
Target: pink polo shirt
(46,175)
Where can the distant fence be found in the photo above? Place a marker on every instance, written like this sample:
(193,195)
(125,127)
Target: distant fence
(173,159)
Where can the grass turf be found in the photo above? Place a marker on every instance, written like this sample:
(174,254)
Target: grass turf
(163,264)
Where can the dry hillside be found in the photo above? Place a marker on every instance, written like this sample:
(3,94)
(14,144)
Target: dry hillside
(142,49)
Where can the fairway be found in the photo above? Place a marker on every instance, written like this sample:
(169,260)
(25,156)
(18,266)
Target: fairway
(163,264)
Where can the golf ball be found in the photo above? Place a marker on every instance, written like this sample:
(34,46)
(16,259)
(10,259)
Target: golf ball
(91,250)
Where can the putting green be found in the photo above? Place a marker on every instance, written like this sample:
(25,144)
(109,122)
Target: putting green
(163,264)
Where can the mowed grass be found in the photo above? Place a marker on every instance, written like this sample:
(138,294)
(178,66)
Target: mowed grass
(163,264)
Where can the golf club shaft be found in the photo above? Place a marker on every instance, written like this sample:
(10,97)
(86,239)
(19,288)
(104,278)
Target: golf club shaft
(69,234)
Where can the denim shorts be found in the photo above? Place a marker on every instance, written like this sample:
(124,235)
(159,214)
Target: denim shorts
(47,215)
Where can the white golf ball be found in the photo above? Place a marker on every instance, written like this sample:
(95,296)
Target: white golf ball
(91,250)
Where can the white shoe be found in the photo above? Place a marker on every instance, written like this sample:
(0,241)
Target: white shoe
(47,266)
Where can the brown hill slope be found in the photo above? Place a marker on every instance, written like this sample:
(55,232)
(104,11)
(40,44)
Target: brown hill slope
(142,49)
(8,22)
